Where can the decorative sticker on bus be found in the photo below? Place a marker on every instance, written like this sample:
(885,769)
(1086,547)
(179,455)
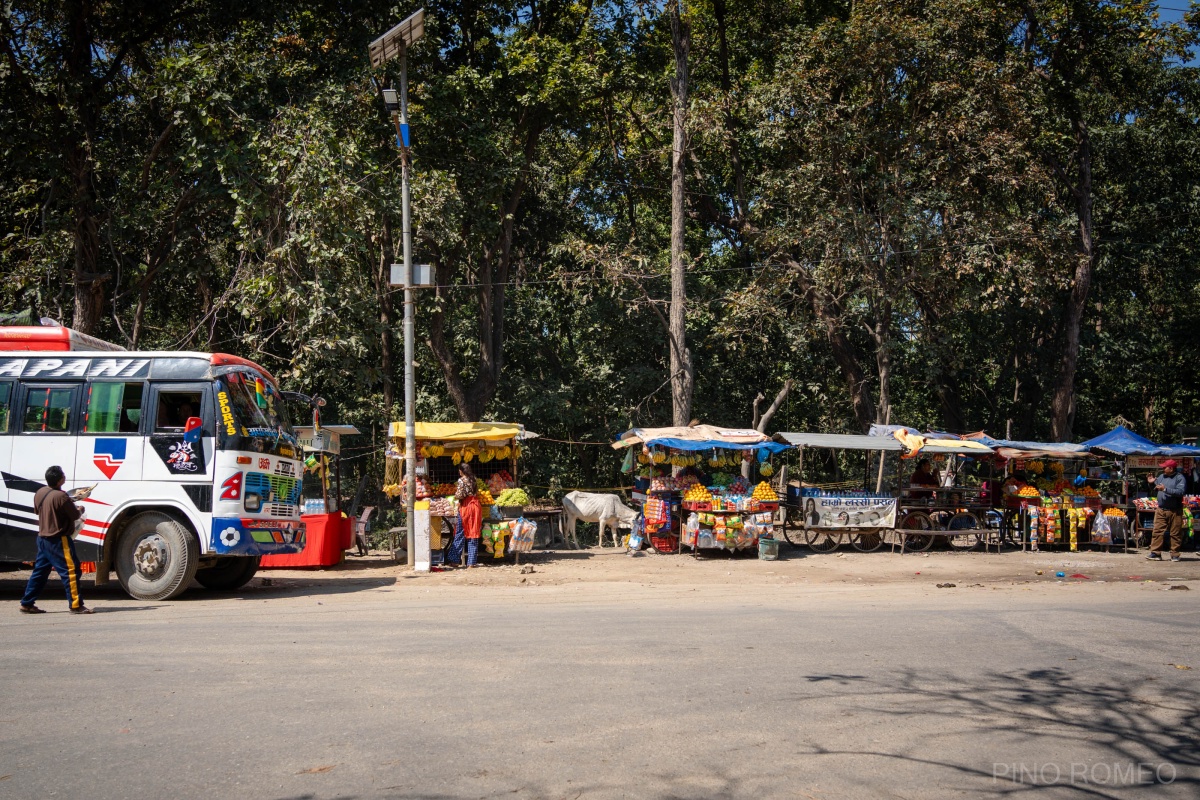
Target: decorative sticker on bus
(108,456)
(178,455)
(237,536)
(74,367)
(227,414)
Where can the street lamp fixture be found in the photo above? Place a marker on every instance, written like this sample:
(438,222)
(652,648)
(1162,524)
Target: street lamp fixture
(391,101)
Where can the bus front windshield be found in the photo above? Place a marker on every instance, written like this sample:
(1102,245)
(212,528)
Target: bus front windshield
(257,408)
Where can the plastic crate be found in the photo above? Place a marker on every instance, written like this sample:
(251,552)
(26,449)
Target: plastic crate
(690,505)
(665,544)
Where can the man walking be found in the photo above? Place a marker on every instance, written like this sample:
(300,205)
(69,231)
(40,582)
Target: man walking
(55,550)
(1171,487)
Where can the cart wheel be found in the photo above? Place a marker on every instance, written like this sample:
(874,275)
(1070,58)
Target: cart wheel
(867,541)
(820,541)
(793,531)
(972,531)
(910,527)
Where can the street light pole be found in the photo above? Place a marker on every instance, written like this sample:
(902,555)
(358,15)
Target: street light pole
(395,43)
(410,424)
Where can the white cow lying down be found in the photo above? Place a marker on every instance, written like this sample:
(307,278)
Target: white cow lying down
(605,509)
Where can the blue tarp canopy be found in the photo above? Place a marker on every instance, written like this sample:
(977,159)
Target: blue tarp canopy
(699,437)
(1123,442)
(710,444)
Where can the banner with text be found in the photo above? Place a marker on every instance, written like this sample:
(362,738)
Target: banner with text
(849,512)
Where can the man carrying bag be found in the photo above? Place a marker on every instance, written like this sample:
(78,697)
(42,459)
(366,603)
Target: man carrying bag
(55,549)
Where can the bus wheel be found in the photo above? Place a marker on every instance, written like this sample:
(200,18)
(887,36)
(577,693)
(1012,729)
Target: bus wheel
(156,557)
(228,573)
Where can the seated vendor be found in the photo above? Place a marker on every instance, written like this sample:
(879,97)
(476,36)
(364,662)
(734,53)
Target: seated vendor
(925,475)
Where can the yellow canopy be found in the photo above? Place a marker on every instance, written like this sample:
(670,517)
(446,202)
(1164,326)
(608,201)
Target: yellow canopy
(458,431)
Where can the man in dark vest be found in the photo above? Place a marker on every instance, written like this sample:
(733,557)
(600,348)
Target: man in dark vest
(1168,518)
(55,549)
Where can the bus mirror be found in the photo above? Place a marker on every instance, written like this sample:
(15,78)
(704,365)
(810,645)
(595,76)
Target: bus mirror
(192,430)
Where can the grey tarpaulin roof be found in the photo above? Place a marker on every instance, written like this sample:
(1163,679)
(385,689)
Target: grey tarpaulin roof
(850,441)
(840,441)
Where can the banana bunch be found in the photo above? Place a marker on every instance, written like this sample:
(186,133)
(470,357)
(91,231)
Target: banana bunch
(487,455)
(765,469)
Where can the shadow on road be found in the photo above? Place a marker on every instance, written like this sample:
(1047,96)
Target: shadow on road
(1051,729)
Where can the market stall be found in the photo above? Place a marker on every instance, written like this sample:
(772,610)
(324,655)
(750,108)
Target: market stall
(1126,458)
(824,515)
(956,504)
(328,531)
(491,449)
(1046,500)
(697,487)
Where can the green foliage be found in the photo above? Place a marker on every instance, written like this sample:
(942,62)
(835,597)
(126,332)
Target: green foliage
(879,203)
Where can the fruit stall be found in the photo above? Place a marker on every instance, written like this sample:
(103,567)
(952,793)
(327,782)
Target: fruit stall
(1126,458)
(492,450)
(704,487)
(328,531)
(827,514)
(1046,500)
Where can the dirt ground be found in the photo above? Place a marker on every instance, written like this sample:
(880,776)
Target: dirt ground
(795,568)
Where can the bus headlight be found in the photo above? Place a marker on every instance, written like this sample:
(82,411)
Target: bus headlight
(253,502)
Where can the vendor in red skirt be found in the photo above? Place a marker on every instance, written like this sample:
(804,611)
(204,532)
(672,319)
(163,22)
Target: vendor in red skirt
(469,522)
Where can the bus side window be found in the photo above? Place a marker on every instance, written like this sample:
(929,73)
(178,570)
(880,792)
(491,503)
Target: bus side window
(5,403)
(174,408)
(113,408)
(48,409)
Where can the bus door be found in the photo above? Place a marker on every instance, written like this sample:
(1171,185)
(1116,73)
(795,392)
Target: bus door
(9,514)
(47,420)
(111,443)
(168,454)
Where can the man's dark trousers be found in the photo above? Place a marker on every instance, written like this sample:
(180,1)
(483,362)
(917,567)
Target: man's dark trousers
(57,552)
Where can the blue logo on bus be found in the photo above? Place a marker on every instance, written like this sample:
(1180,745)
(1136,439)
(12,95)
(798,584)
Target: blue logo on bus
(109,456)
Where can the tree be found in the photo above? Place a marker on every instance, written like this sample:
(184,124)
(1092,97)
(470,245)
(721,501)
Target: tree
(683,377)
(1096,66)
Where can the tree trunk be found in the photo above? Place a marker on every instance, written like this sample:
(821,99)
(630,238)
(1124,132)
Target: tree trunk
(88,282)
(761,422)
(1062,406)
(85,234)
(880,335)
(682,375)
(493,278)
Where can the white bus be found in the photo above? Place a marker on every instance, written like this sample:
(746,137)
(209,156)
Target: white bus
(195,468)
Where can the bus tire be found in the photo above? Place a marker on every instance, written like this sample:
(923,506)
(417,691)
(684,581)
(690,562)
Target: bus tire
(228,574)
(157,557)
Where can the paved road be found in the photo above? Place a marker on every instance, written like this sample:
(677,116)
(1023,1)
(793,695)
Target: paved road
(402,688)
